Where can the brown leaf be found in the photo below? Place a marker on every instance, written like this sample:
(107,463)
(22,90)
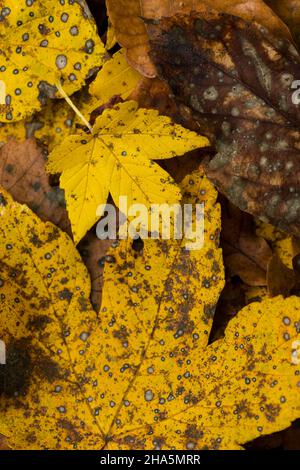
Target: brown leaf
(22,173)
(249,10)
(245,254)
(289,12)
(237,78)
(94,254)
(281,280)
(127,17)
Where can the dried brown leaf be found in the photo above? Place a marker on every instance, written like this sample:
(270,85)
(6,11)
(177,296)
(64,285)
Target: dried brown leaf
(281,280)
(289,12)
(237,77)
(22,173)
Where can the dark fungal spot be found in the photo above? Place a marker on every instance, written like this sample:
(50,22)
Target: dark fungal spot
(65,294)
(15,374)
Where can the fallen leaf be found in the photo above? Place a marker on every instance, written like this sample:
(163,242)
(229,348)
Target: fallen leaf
(245,254)
(22,173)
(223,395)
(94,255)
(46,284)
(249,10)
(116,77)
(280,279)
(286,247)
(59,345)
(237,79)
(128,18)
(130,31)
(40,45)
(111,39)
(289,12)
(255,294)
(118,159)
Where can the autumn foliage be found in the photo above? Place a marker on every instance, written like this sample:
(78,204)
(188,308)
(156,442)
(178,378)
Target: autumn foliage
(145,344)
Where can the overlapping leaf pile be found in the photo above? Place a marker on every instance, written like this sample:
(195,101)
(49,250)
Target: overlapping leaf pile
(190,349)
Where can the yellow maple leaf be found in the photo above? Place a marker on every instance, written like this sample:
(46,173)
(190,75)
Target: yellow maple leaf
(116,77)
(41,43)
(118,159)
(142,376)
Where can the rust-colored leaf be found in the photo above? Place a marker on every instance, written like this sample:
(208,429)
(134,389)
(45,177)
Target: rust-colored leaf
(237,78)
(245,254)
(281,280)
(22,173)
(127,18)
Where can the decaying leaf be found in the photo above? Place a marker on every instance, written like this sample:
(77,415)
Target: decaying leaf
(289,12)
(142,376)
(22,173)
(42,43)
(116,77)
(245,253)
(249,10)
(45,283)
(237,79)
(280,279)
(59,337)
(127,17)
(130,31)
(118,159)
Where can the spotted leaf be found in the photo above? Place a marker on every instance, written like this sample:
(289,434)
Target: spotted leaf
(116,77)
(237,78)
(118,159)
(142,376)
(41,43)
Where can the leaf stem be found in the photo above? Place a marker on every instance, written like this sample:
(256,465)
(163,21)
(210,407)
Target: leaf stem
(70,103)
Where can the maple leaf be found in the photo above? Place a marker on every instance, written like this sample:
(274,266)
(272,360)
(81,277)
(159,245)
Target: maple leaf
(125,16)
(245,253)
(118,159)
(41,44)
(116,77)
(236,77)
(144,376)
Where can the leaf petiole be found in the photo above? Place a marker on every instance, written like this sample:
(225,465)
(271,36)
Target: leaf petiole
(70,103)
